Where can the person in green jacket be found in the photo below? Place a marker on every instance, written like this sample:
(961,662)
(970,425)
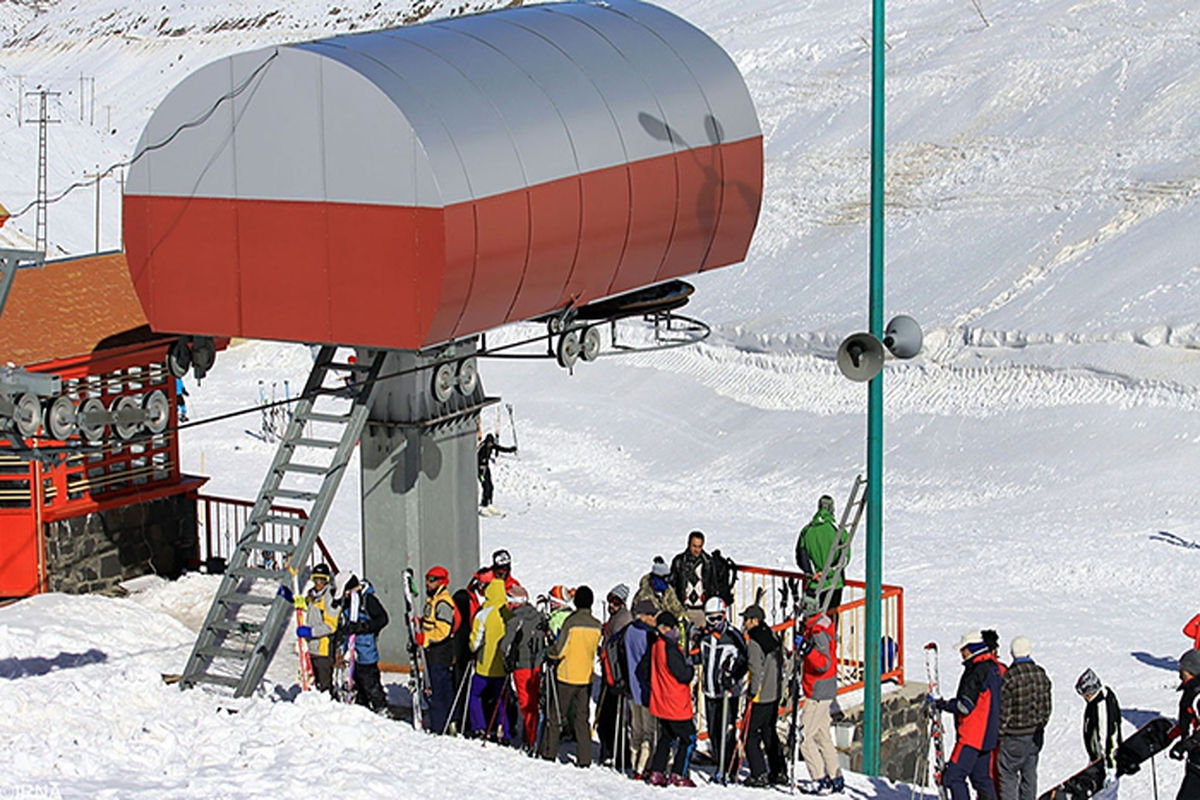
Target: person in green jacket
(816,539)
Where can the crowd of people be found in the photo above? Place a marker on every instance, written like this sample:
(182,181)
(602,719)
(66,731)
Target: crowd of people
(1001,712)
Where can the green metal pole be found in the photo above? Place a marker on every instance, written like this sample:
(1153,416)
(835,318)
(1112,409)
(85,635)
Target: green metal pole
(874,556)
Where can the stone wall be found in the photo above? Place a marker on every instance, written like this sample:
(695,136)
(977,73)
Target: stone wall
(95,552)
(904,746)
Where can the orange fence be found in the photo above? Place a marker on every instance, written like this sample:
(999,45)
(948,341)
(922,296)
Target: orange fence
(221,521)
(851,622)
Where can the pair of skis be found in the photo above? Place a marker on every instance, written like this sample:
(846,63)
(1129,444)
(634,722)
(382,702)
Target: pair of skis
(937,733)
(417,670)
(301,606)
(343,675)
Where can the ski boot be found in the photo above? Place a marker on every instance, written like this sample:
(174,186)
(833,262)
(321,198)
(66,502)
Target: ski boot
(657,779)
(757,781)
(681,780)
(838,784)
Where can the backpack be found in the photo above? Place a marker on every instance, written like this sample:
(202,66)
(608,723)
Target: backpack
(614,656)
(724,576)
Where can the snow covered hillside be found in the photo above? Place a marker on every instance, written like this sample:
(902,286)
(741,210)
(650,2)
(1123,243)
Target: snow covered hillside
(1043,188)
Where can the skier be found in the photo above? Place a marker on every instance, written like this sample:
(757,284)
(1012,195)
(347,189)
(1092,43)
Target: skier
(575,653)
(638,638)
(487,685)
(722,668)
(612,669)
(764,653)
(813,546)
(1192,630)
(976,709)
(372,618)
(671,704)
(1188,746)
(439,622)
(1101,719)
(655,586)
(320,624)
(1025,705)
(524,646)
(560,602)
(464,664)
(691,578)
(485,455)
(181,404)
(818,648)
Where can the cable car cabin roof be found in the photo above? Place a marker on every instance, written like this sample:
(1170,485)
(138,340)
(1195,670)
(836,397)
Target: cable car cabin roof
(71,308)
(404,187)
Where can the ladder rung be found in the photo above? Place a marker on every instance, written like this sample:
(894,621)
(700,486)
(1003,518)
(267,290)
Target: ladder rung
(319,416)
(275,519)
(240,599)
(326,443)
(274,547)
(236,626)
(336,391)
(219,680)
(295,494)
(258,572)
(310,469)
(224,652)
(349,367)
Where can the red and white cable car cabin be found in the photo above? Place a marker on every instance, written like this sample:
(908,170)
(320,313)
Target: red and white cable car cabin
(406,187)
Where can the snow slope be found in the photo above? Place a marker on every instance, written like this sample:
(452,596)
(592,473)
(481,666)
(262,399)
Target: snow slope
(1042,206)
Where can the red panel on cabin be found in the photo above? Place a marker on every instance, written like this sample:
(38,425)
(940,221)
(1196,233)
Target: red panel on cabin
(652,217)
(743,167)
(696,212)
(603,235)
(457,271)
(502,227)
(555,218)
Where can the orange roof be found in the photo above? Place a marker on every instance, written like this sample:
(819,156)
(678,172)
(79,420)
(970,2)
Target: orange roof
(69,308)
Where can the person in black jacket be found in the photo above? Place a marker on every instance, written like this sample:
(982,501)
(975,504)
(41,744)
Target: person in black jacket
(365,628)
(486,454)
(692,578)
(1188,745)
(1101,719)
(764,654)
(1025,706)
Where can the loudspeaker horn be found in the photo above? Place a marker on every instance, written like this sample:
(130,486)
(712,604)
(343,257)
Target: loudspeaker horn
(902,336)
(860,357)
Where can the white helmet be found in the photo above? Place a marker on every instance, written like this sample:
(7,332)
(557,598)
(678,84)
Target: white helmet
(714,606)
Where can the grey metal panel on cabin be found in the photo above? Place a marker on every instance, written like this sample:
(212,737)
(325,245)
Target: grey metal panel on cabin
(715,71)
(444,177)
(680,104)
(477,130)
(530,119)
(625,91)
(198,161)
(377,162)
(594,137)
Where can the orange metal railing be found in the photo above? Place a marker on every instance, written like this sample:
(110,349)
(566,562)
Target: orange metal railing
(221,521)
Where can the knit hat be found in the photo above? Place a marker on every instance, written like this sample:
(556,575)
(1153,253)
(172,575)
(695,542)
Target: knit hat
(972,641)
(825,503)
(560,595)
(351,584)
(660,568)
(1088,683)
(754,612)
(1190,662)
(620,591)
(518,596)
(501,558)
(644,607)
(666,619)
(1021,647)
(583,597)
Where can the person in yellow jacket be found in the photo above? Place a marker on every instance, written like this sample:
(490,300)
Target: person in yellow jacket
(438,624)
(575,652)
(487,698)
(320,623)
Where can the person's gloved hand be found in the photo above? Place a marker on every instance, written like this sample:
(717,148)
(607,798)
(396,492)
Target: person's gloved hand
(1177,751)
(799,642)
(354,627)
(300,603)
(806,647)
(304,631)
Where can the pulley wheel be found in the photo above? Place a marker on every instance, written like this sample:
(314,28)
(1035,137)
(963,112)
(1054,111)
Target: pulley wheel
(92,419)
(204,355)
(179,359)
(443,382)
(568,349)
(589,345)
(27,414)
(60,418)
(127,416)
(468,376)
(554,325)
(158,411)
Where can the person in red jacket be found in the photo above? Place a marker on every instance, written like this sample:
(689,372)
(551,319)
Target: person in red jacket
(1192,629)
(976,709)
(671,704)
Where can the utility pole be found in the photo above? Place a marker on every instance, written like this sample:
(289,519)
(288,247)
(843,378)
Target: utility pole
(20,100)
(97,175)
(43,122)
(92,111)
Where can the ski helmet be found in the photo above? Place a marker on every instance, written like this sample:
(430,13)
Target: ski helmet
(518,596)
(321,572)
(714,609)
(501,558)
(1088,683)
(560,596)
(439,574)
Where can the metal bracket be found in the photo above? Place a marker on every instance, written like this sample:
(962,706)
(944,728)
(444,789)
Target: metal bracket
(10,262)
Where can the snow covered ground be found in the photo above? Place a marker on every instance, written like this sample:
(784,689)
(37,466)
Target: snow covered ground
(1043,181)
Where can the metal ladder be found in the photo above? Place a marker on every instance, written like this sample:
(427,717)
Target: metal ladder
(251,609)
(839,555)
